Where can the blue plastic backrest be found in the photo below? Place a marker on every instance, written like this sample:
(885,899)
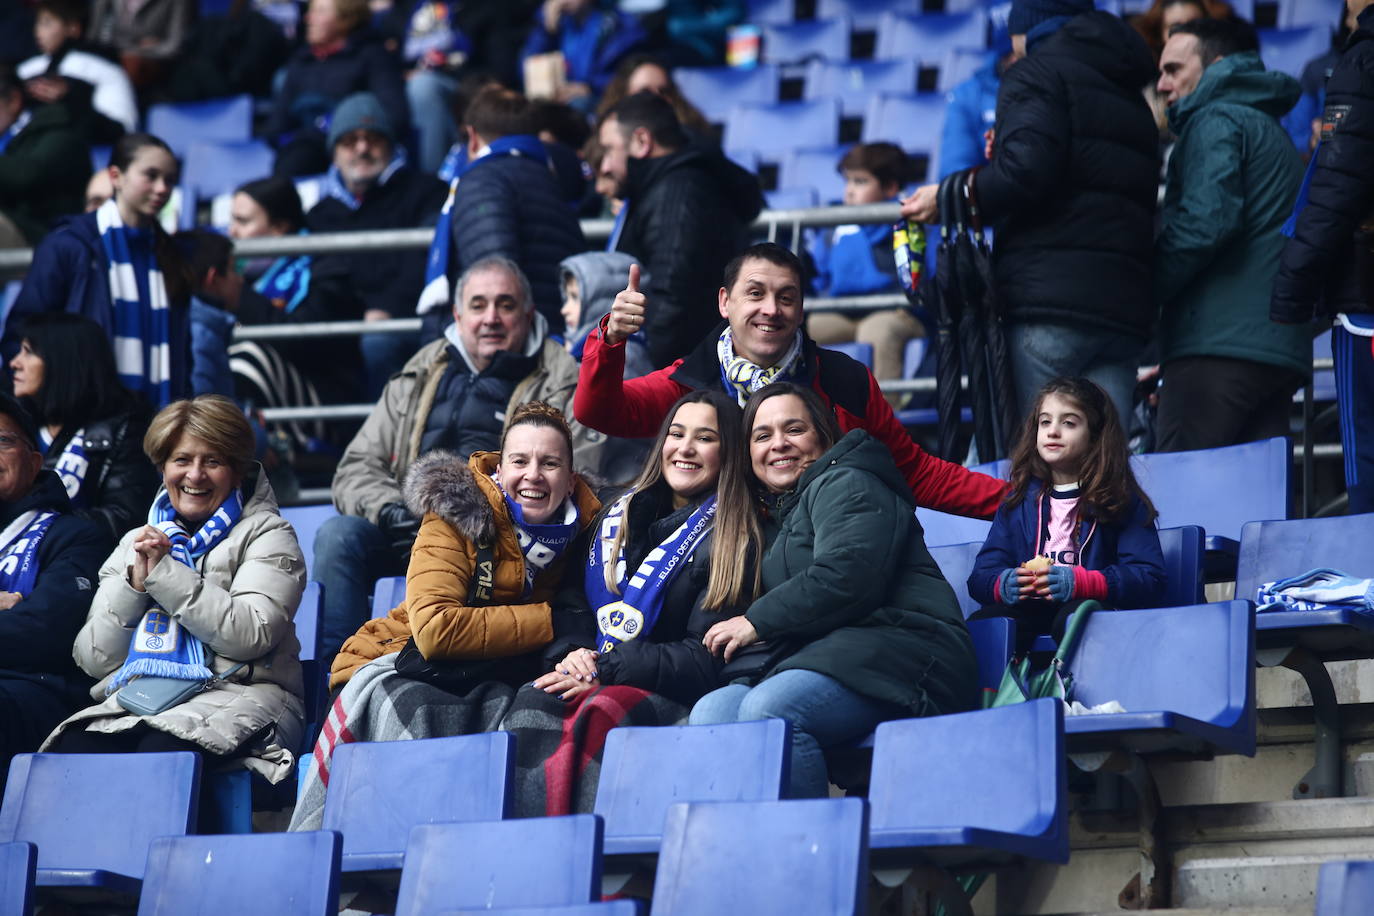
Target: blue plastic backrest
(853,82)
(859,352)
(941,529)
(865,14)
(956,562)
(1345,889)
(814,168)
(912,121)
(1218,488)
(1289,50)
(307,521)
(99,811)
(1295,14)
(1277,550)
(387,593)
(960,64)
(1323,380)
(218,167)
(623,907)
(994,641)
(996,769)
(801,856)
(529,862)
(790,199)
(715,90)
(379,790)
(1183,559)
(296,873)
(308,619)
(1197,661)
(17,864)
(930,36)
(180,124)
(913,355)
(772,131)
(644,770)
(763,12)
(827,39)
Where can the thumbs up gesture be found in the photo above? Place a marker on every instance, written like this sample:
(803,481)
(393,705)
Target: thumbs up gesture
(627,312)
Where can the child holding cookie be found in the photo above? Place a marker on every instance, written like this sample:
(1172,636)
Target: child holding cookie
(1075,526)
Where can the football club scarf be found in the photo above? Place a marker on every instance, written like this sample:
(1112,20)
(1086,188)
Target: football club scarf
(541,545)
(72,464)
(633,613)
(142,331)
(162,647)
(286,282)
(19,550)
(742,378)
(1316,590)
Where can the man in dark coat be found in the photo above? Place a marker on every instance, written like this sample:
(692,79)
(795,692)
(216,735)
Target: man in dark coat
(1070,191)
(43,165)
(687,212)
(1327,267)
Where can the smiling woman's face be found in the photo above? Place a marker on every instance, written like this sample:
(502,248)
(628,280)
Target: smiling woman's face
(783,442)
(536,470)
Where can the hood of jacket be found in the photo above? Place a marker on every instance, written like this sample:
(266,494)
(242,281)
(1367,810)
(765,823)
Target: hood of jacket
(600,276)
(1239,79)
(739,188)
(1107,44)
(465,496)
(856,449)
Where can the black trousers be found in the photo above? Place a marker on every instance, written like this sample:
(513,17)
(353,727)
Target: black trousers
(1212,401)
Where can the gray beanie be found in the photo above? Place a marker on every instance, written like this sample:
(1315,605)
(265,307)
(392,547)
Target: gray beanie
(360,111)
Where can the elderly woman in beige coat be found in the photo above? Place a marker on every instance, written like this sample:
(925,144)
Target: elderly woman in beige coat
(208,587)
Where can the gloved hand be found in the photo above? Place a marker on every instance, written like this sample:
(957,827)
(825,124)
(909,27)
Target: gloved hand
(1058,581)
(399,526)
(1009,586)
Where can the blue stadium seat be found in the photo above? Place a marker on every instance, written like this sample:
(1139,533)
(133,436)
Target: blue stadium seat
(541,861)
(1295,14)
(1134,658)
(960,64)
(992,788)
(296,873)
(387,593)
(859,352)
(644,770)
(90,836)
(183,123)
(1345,889)
(929,37)
(994,643)
(379,790)
(912,121)
(956,562)
(775,130)
(218,167)
(307,521)
(715,90)
(1324,380)
(816,858)
(308,619)
(814,168)
(854,82)
(771,12)
(865,14)
(1183,563)
(800,41)
(17,867)
(914,355)
(942,529)
(1289,50)
(746,159)
(100,157)
(791,198)
(625,907)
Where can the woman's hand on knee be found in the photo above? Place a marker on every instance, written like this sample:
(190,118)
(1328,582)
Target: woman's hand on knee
(729,636)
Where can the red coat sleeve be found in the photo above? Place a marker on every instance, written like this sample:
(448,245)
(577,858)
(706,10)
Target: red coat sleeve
(606,401)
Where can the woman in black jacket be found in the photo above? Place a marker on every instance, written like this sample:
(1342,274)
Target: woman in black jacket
(91,426)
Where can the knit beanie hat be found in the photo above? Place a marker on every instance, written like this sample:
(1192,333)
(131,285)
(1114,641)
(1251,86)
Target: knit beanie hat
(360,111)
(1027,14)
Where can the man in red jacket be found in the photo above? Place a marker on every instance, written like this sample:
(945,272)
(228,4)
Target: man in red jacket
(762,341)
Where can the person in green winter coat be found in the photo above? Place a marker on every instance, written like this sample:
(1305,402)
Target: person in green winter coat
(860,624)
(44,164)
(1229,372)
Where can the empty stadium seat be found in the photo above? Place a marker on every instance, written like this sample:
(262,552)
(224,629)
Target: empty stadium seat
(854,82)
(791,199)
(541,861)
(992,788)
(912,121)
(960,64)
(1345,889)
(217,167)
(306,520)
(17,867)
(914,355)
(994,643)
(956,562)
(387,593)
(183,123)
(929,37)
(941,529)
(295,873)
(308,619)
(774,130)
(1289,50)
(865,14)
(766,12)
(746,159)
(859,352)
(644,770)
(802,856)
(624,907)
(800,41)
(379,790)
(715,90)
(92,816)
(1295,14)
(814,168)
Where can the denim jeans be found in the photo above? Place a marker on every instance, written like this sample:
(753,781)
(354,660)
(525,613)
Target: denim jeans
(1039,352)
(430,94)
(351,553)
(823,712)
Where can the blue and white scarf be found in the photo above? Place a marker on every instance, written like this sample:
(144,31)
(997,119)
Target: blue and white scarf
(162,647)
(334,184)
(633,613)
(541,545)
(72,464)
(19,550)
(1316,590)
(438,292)
(142,330)
(15,129)
(742,378)
(286,283)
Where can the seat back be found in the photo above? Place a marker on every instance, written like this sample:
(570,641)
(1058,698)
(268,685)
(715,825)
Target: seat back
(799,856)
(1277,550)
(182,123)
(853,82)
(1183,559)
(865,14)
(1295,14)
(994,642)
(1289,50)
(539,861)
(624,907)
(1137,657)
(18,862)
(788,44)
(296,873)
(941,529)
(644,770)
(763,12)
(956,562)
(715,90)
(387,593)
(996,769)
(930,36)
(960,64)
(1218,488)
(815,168)
(774,130)
(859,352)
(1345,889)
(99,811)
(306,520)
(379,790)
(308,619)
(790,199)
(912,121)
(216,167)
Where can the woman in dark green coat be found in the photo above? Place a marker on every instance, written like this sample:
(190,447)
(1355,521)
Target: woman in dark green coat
(862,624)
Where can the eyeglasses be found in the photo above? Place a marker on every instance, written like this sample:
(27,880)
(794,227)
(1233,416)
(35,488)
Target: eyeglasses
(9,443)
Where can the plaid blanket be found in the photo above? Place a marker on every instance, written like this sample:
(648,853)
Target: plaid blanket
(377,704)
(558,745)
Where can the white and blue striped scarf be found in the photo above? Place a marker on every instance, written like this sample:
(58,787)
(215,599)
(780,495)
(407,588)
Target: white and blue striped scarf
(142,330)
(19,551)
(1316,590)
(162,647)
(71,465)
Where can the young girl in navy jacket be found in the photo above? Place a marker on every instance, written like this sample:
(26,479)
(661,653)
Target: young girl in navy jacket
(1076,524)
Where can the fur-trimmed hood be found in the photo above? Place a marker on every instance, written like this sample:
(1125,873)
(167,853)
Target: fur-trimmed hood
(465,496)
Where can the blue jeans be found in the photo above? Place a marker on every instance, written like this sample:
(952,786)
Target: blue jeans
(351,553)
(823,712)
(430,95)
(1039,352)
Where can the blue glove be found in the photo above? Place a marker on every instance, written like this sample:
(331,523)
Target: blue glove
(1060,581)
(1009,586)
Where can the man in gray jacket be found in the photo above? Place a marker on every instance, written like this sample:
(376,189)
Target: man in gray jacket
(455,394)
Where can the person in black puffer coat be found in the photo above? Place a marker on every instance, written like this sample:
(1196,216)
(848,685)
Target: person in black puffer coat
(1327,267)
(1070,191)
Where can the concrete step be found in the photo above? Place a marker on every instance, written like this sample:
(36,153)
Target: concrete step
(1249,881)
